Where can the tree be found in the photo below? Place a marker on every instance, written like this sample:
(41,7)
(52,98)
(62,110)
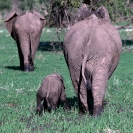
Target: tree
(5,4)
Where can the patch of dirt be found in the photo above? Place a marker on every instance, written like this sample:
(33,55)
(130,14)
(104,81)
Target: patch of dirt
(112,131)
(10,105)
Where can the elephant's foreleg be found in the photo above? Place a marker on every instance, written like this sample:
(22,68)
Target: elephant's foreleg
(64,100)
(67,106)
(99,84)
(39,107)
(31,63)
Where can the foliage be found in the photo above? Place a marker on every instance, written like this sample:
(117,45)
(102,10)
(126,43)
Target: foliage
(75,3)
(5,4)
(26,4)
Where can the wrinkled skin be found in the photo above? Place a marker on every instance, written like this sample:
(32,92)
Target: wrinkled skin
(52,93)
(92,50)
(26,29)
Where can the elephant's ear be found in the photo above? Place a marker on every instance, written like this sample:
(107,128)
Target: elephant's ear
(42,18)
(60,76)
(104,13)
(9,21)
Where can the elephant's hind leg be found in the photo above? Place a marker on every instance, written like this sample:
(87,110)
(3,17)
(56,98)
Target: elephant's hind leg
(82,96)
(21,58)
(64,100)
(24,46)
(45,106)
(99,84)
(53,103)
(80,90)
(31,63)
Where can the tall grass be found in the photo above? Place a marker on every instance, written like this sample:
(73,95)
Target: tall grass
(18,90)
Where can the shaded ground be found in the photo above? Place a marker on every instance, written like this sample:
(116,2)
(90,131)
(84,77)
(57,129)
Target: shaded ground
(127,42)
(50,46)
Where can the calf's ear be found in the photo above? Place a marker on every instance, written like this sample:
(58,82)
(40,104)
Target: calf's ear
(10,20)
(104,13)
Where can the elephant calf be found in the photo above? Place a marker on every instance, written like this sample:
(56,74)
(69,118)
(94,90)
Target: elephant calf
(51,92)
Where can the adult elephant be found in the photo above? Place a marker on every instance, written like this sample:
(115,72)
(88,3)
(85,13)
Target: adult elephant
(92,50)
(26,29)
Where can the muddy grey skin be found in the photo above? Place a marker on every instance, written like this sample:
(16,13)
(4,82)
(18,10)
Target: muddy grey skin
(25,29)
(92,50)
(52,93)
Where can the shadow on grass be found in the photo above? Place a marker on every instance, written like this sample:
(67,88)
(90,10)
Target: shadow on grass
(73,101)
(50,46)
(13,67)
(127,42)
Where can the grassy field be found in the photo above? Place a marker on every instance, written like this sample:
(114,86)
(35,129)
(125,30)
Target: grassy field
(18,90)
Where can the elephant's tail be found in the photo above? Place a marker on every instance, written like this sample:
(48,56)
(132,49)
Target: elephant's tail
(87,84)
(92,28)
(83,69)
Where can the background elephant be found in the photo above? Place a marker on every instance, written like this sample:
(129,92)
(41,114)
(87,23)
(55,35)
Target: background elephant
(51,92)
(26,29)
(84,12)
(92,50)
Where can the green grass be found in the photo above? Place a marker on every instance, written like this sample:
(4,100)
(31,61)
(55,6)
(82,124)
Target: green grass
(18,90)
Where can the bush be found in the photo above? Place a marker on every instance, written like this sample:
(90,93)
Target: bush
(5,4)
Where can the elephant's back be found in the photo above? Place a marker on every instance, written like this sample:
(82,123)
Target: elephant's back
(76,34)
(50,86)
(113,35)
(26,21)
(91,35)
